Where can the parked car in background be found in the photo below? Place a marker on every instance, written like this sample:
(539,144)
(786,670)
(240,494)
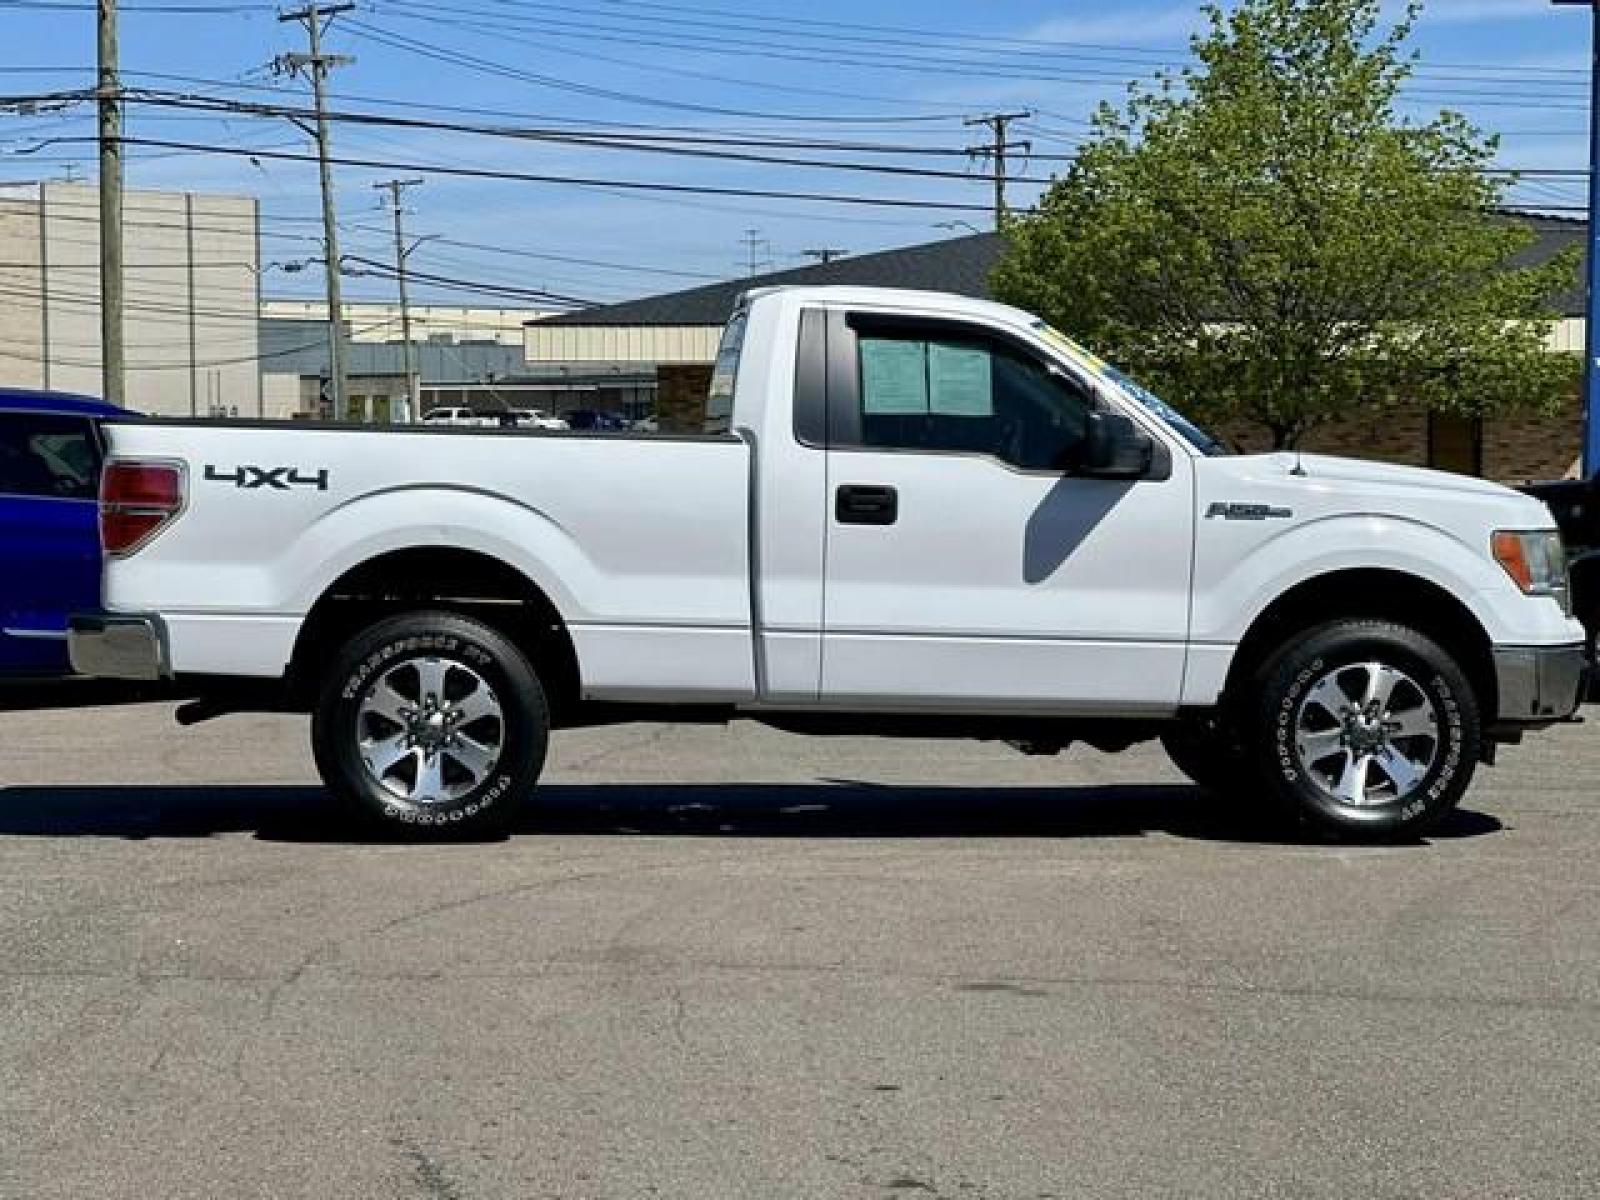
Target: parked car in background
(535,418)
(50,454)
(597,421)
(454,416)
(647,425)
(1575,504)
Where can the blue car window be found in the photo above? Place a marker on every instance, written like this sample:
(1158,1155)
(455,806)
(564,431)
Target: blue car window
(47,455)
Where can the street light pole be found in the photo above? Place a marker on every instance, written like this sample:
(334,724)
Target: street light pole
(396,188)
(1591,361)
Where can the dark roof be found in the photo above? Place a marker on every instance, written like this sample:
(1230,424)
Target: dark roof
(960,265)
(963,266)
(28,400)
(1553,235)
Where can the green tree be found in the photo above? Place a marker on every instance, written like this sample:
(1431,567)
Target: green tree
(1265,236)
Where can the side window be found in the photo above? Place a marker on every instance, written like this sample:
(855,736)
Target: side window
(48,456)
(938,391)
(719,401)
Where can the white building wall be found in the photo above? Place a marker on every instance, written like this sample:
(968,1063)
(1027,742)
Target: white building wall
(665,345)
(280,396)
(375,322)
(21,315)
(190,326)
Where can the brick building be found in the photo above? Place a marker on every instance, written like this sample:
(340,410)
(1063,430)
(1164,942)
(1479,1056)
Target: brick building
(676,335)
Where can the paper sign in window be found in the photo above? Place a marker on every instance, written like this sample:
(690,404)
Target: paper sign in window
(894,378)
(960,381)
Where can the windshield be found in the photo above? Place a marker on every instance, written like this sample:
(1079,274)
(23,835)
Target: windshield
(1135,391)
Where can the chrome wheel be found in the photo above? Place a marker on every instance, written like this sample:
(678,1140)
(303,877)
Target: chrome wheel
(430,730)
(1367,734)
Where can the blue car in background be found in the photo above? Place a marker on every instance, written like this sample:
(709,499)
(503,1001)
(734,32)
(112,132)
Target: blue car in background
(50,455)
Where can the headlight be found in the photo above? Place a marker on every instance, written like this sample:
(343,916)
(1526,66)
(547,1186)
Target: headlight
(1536,562)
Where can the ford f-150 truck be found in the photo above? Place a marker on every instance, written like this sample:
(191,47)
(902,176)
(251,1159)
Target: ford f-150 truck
(908,513)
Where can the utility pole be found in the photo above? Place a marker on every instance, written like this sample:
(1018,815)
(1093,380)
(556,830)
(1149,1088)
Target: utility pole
(997,151)
(825,254)
(396,188)
(113,365)
(316,66)
(1591,364)
(755,245)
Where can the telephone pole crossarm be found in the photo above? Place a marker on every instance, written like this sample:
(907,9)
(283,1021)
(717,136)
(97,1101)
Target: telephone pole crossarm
(997,150)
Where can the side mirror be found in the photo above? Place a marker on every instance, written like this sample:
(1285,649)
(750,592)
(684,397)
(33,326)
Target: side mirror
(1116,448)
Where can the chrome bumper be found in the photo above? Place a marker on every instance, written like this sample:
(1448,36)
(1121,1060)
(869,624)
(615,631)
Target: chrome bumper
(106,646)
(1541,684)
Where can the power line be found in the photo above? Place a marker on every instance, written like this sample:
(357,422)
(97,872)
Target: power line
(656,144)
(576,180)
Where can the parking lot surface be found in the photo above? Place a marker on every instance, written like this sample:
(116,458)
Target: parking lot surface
(733,963)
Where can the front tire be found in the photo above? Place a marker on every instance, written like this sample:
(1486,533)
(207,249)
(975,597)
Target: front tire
(1365,730)
(432,723)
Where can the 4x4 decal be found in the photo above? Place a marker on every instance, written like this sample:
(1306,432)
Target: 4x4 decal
(279,479)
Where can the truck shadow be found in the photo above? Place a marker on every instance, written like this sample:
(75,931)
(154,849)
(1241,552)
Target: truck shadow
(831,809)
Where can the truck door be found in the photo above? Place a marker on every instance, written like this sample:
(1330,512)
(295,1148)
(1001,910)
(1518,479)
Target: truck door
(965,562)
(49,539)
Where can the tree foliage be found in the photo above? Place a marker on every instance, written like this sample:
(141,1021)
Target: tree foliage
(1266,236)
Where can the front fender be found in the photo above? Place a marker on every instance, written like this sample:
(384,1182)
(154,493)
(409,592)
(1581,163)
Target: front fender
(1235,583)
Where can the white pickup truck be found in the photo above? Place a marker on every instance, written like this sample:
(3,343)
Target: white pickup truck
(908,513)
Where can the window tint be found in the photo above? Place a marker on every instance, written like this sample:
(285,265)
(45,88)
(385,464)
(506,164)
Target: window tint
(47,456)
(719,401)
(972,394)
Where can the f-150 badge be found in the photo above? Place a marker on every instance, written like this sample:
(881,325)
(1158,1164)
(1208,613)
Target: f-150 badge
(279,479)
(1248,512)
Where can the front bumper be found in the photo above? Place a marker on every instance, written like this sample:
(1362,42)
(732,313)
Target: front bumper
(1540,685)
(109,646)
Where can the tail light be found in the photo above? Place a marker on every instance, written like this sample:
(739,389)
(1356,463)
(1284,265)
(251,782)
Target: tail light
(137,499)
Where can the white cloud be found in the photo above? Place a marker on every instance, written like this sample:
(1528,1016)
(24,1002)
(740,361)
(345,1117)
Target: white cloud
(1150,25)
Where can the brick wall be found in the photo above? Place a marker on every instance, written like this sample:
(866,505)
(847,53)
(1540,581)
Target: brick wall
(1514,449)
(1395,434)
(681,398)
(1520,448)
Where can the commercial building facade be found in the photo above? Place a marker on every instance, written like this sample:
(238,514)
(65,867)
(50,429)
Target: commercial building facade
(193,269)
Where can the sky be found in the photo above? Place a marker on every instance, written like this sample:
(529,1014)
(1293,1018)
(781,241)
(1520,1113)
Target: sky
(899,76)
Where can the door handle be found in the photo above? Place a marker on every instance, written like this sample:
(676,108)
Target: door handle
(866,504)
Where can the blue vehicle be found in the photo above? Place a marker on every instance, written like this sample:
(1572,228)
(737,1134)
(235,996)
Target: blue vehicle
(50,454)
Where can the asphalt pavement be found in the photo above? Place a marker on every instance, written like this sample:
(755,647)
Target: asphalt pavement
(734,963)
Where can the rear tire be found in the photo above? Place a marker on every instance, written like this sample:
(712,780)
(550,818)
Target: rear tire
(433,724)
(1364,730)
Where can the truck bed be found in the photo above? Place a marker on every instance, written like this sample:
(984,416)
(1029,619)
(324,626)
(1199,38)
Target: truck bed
(641,542)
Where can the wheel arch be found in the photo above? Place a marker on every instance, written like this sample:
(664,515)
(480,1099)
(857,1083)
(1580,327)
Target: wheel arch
(449,577)
(1378,594)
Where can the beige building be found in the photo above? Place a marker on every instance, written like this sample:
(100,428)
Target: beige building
(193,269)
(440,324)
